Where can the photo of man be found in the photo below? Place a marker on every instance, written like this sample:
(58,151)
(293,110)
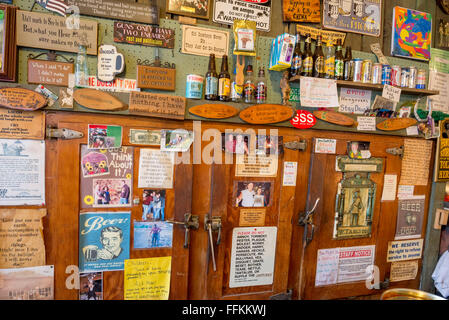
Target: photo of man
(149,235)
(252,194)
(153,205)
(358,150)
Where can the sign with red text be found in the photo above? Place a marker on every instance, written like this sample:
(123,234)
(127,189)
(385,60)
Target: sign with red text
(354,100)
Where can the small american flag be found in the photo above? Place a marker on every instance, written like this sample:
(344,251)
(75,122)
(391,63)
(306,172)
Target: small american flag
(57,6)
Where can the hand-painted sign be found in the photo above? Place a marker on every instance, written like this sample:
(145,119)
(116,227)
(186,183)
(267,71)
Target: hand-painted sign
(21,99)
(144,35)
(49,72)
(301,11)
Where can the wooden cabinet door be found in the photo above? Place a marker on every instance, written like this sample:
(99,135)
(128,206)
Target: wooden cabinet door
(214,193)
(62,223)
(323,183)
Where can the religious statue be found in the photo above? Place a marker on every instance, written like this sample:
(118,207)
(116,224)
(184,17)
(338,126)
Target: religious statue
(285,88)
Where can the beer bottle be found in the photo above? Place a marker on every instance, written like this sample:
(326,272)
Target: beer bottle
(339,63)
(211,80)
(224,81)
(249,88)
(349,65)
(307,59)
(318,59)
(261,89)
(329,63)
(296,67)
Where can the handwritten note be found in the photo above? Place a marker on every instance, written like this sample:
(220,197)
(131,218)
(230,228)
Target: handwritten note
(327,267)
(390,184)
(290,173)
(354,100)
(147,279)
(318,93)
(405,191)
(366,124)
(416,162)
(392,93)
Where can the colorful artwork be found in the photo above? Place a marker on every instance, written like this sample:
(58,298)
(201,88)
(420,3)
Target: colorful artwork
(412,34)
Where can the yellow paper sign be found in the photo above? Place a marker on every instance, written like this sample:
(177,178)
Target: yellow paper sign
(147,279)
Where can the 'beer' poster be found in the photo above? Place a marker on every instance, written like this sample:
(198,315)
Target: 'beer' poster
(410,218)
(103,241)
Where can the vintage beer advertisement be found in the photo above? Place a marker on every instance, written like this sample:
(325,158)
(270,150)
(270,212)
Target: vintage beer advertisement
(103,240)
(410,218)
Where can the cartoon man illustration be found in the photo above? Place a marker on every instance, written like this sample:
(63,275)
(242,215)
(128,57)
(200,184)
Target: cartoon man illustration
(111,238)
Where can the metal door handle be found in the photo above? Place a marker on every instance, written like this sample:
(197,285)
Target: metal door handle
(306,220)
(213,224)
(190,222)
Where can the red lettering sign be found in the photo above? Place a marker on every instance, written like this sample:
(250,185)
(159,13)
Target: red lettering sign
(303,120)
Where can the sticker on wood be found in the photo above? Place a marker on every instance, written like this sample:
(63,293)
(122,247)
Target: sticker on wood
(98,100)
(21,99)
(214,111)
(266,114)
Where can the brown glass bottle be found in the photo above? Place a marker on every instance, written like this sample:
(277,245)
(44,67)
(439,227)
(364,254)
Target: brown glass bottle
(224,81)
(211,80)
(296,67)
(307,60)
(339,62)
(349,65)
(318,60)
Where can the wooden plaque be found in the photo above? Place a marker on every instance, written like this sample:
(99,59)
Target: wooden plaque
(334,117)
(266,114)
(144,35)
(157,105)
(156,78)
(301,11)
(396,124)
(17,124)
(214,111)
(21,99)
(49,72)
(98,100)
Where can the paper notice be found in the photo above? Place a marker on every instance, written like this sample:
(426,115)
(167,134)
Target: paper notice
(438,81)
(256,165)
(156,169)
(412,131)
(404,270)
(416,162)
(21,238)
(405,191)
(390,184)
(327,146)
(353,263)
(147,279)
(327,267)
(404,250)
(290,173)
(366,123)
(391,93)
(354,100)
(318,93)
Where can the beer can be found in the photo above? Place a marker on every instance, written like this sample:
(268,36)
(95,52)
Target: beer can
(413,77)
(396,76)
(405,77)
(367,67)
(194,86)
(376,77)
(358,63)
(421,79)
(386,74)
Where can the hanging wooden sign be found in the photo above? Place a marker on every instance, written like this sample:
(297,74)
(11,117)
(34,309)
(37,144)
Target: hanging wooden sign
(301,11)
(266,114)
(127,10)
(334,117)
(396,124)
(156,78)
(17,124)
(21,99)
(144,35)
(214,111)
(49,72)
(47,31)
(98,100)
(157,105)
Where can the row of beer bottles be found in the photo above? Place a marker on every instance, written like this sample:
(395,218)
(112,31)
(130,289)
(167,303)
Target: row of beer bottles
(220,87)
(321,64)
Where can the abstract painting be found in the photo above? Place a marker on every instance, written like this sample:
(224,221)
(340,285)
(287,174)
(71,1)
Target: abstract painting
(412,34)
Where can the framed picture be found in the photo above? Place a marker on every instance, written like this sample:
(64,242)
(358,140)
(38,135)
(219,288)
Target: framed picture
(8,48)
(411,34)
(191,8)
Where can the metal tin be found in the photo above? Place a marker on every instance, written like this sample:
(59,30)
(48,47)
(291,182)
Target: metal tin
(366,71)
(386,74)
(194,86)
(405,77)
(376,77)
(358,63)
(421,80)
(413,77)
(396,76)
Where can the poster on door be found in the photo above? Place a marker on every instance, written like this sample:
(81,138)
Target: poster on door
(410,218)
(252,256)
(106,177)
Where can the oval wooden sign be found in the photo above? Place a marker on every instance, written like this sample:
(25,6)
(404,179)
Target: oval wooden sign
(98,100)
(21,99)
(214,111)
(335,118)
(266,114)
(396,124)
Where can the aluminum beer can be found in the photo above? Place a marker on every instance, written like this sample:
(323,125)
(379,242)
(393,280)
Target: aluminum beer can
(366,71)
(405,77)
(358,63)
(194,86)
(413,77)
(386,74)
(421,79)
(396,76)
(376,77)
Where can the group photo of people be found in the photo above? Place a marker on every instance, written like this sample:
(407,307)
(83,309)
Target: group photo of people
(237,143)
(176,140)
(253,194)
(153,205)
(111,192)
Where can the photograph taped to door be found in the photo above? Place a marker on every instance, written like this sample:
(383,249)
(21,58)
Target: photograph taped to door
(252,194)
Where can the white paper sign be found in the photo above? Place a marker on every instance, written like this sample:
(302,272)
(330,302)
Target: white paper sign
(252,256)
(366,123)
(439,81)
(390,184)
(318,93)
(354,262)
(156,169)
(22,172)
(412,131)
(354,100)
(327,267)
(290,173)
(405,191)
(327,146)
(392,93)
(226,11)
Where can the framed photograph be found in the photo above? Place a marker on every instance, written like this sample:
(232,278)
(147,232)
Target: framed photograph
(91,286)
(192,8)
(8,48)
(358,150)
